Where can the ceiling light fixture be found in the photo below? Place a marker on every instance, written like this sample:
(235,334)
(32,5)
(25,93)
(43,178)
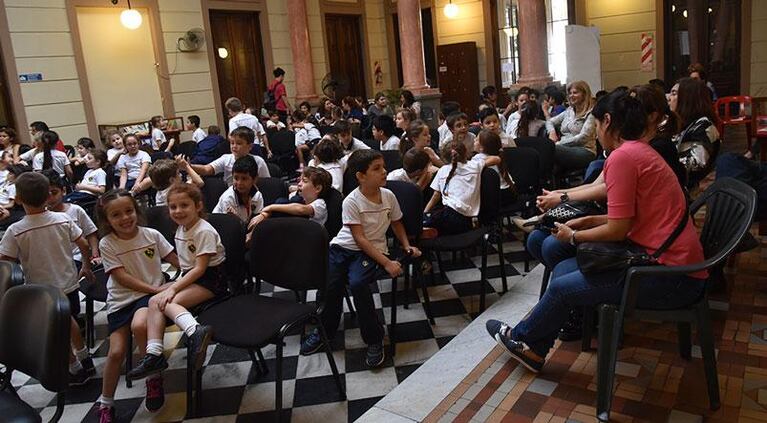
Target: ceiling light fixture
(451,10)
(130,18)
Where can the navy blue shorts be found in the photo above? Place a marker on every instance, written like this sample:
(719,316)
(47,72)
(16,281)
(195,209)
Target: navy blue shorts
(214,280)
(74,303)
(124,316)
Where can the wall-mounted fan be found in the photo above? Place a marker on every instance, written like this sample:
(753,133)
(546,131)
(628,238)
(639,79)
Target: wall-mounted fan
(334,85)
(191,41)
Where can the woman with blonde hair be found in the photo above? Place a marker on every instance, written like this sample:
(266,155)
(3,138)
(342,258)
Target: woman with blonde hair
(574,130)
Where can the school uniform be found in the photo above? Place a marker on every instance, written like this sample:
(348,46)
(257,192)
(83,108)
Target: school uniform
(320,211)
(249,121)
(308,135)
(336,170)
(3,176)
(224,165)
(141,257)
(468,141)
(94,177)
(391,144)
(81,219)
(59,161)
(399,175)
(133,165)
(202,239)
(443,132)
(7,193)
(230,200)
(354,146)
(161,197)
(158,138)
(508,192)
(198,135)
(460,198)
(277,126)
(112,152)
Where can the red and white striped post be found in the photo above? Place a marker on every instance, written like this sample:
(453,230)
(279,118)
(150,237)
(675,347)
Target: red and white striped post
(647,53)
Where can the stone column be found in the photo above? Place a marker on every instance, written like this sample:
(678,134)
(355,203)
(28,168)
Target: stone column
(302,52)
(533,47)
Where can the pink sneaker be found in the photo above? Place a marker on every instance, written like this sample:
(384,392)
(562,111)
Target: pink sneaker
(155,394)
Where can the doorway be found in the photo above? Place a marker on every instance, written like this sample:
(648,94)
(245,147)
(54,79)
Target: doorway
(344,44)
(429,53)
(459,74)
(239,56)
(6,113)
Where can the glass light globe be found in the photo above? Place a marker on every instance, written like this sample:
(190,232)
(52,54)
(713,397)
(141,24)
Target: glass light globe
(451,10)
(223,52)
(130,18)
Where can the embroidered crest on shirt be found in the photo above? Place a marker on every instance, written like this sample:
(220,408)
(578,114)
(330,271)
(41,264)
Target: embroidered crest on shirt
(149,252)
(191,248)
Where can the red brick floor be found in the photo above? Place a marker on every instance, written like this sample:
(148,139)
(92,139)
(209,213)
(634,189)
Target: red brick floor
(653,383)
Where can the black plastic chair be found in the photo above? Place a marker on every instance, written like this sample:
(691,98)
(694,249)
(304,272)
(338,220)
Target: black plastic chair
(158,218)
(186,149)
(392,160)
(212,190)
(283,146)
(350,182)
(375,145)
(93,291)
(523,164)
(730,207)
(38,347)
(233,320)
(334,204)
(272,189)
(545,148)
(10,276)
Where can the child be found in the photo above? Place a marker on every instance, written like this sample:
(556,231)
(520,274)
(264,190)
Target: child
(157,137)
(10,210)
(416,169)
(526,121)
(193,124)
(134,276)
(307,136)
(418,135)
(9,142)
(240,141)
(6,160)
(164,173)
(383,132)
(344,132)
(115,141)
(457,186)
(313,187)
(448,108)
(274,121)
(200,258)
(459,128)
(238,119)
(242,199)
(41,242)
(403,117)
(490,121)
(94,181)
(207,150)
(84,145)
(488,144)
(329,155)
(358,253)
(50,158)
(76,213)
(133,164)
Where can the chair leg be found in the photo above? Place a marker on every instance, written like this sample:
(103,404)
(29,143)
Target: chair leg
(587,328)
(90,331)
(685,340)
(709,357)
(483,275)
(441,267)
(255,362)
(545,280)
(418,276)
(502,261)
(262,361)
(129,362)
(198,389)
(393,327)
(331,360)
(278,378)
(406,288)
(349,302)
(60,402)
(607,354)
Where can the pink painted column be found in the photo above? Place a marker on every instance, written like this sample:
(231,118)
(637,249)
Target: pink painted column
(411,46)
(302,52)
(533,48)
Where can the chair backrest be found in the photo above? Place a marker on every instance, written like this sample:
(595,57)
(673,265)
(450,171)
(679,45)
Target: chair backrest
(272,189)
(232,234)
(282,142)
(274,170)
(7,279)
(392,160)
(489,196)
(186,149)
(334,204)
(158,218)
(545,149)
(34,334)
(523,164)
(290,252)
(212,190)
(375,145)
(733,109)
(411,203)
(350,181)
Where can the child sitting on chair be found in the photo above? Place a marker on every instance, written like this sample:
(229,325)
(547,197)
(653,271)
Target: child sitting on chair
(242,199)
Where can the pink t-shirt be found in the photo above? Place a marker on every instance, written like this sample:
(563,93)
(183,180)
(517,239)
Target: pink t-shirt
(642,187)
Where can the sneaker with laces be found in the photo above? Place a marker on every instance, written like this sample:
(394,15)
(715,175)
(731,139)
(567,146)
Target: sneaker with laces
(106,414)
(88,366)
(79,379)
(501,332)
(155,394)
(312,343)
(197,344)
(375,355)
(148,365)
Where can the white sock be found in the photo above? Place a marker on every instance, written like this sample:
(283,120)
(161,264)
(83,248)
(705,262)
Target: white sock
(154,347)
(75,367)
(82,354)
(106,402)
(186,322)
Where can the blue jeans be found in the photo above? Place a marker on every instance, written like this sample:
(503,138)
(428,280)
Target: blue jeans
(749,172)
(547,249)
(360,271)
(593,171)
(570,288)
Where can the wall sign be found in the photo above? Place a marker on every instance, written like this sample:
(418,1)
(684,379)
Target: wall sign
(30,77)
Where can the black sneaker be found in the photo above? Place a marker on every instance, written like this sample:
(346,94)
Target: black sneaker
(148,365)
(155,394)
(197,345)
(80,378)
(501,332)
(88,366)
(572,330)
(375,355)
(748,243)
(312,343)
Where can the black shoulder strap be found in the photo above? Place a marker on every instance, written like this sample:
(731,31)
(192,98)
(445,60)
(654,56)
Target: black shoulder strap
(678,230)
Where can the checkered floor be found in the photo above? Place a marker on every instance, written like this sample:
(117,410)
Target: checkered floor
(232,391)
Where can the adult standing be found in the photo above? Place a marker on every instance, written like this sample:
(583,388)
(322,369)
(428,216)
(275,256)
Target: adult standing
(277,88)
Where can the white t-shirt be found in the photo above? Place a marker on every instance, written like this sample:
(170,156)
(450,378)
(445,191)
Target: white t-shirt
(81,218)
(95,177)
(335,169)
(271,125)
(140,256)
(249,121)
(463,191)
(112,152)
(532,128)
(3,176)
(468,141)
(198,240)
(391,144)
(198,135)
(59,161)
(158,138)
(374,218)
(133,163)
(228,200)
(42,244)
(320,211)
(7,192)
(161,197)
(29,155)
(308,133)
(444,132)
(399,175)
(356,145)
(224,164)
(481,157)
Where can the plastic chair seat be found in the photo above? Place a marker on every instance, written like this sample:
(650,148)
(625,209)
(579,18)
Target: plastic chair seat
(15,410)
(454,242)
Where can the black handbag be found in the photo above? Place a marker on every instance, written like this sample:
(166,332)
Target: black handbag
(601,257)
(569,211)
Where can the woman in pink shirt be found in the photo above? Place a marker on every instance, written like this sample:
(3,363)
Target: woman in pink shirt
(644,204)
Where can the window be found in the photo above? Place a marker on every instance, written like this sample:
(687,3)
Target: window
(556,21)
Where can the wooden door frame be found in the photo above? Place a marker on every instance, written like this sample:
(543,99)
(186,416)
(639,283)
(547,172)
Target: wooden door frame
(390,9)
(356,8)
(258,6)
(16,102)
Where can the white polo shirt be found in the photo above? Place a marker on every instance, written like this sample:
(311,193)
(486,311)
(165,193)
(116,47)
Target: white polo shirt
(198,240)
(374,218)
(224,164)
(228,201)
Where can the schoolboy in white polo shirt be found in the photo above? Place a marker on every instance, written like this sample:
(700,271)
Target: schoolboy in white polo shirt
(242,199)
(239,142)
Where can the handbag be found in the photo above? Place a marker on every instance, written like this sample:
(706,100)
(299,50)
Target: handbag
(600,257)
(569,211)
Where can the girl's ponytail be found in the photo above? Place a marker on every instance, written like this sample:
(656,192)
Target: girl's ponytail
(49,140)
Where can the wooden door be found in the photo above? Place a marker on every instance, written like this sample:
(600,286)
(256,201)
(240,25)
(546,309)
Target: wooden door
(241,72)
(459,75)
(6,114)
(345,53)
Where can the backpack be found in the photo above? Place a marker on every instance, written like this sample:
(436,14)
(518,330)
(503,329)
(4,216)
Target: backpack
(270,102)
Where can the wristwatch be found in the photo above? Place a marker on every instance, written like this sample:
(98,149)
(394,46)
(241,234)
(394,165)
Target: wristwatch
(564,197)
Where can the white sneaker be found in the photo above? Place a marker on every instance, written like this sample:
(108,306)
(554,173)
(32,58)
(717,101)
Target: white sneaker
(525,225)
